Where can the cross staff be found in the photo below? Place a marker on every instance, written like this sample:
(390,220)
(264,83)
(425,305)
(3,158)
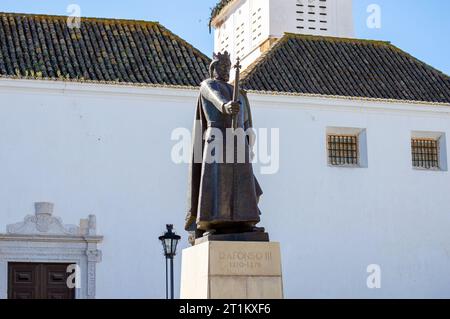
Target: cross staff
(237,66)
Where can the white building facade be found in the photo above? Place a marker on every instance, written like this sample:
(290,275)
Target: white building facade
(99,149)
(352,152)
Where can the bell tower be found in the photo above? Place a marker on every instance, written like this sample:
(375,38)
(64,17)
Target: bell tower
(246,28)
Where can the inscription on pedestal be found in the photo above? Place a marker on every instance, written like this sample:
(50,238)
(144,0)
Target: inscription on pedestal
(252,259)
(243,259)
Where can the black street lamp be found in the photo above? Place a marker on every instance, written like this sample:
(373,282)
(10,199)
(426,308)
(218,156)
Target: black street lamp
(169,241)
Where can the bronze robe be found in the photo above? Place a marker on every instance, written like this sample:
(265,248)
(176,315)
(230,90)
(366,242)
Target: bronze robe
(220,194)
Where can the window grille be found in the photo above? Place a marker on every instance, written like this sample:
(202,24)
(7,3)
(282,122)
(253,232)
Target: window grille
(425,153)
(343,150)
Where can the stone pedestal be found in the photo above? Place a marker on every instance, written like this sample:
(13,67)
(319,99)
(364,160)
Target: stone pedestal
(232,270)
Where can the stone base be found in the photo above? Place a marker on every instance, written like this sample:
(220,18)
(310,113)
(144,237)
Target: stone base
(251,237)
(232,270)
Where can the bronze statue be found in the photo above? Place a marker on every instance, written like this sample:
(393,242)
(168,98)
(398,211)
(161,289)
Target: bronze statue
(223,194)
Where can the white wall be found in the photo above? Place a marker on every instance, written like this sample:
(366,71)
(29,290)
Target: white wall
(105,150)
(334,222)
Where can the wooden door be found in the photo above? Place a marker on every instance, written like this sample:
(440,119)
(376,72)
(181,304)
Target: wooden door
(38,281)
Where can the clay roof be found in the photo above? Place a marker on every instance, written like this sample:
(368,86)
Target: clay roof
(110,50)
(146,53)
(345,67)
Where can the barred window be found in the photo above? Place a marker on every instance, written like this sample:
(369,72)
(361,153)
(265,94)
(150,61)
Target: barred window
(425,153)
(343,150)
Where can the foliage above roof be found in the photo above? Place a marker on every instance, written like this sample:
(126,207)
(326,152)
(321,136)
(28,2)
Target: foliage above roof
(216,10)
(345,67)
(111,50)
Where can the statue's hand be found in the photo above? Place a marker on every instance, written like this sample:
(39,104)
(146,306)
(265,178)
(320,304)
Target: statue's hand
(251,142)
(252,155)
(232,108)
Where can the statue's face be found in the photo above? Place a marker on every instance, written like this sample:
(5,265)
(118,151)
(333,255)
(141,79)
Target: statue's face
(222,71)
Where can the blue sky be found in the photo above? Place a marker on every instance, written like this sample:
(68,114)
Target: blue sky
(419,27)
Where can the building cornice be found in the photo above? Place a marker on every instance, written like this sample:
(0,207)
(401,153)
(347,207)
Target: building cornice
(258,98)
(52,238)
(97,88)
(350,104)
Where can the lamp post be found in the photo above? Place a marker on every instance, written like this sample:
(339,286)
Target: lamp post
(169,241)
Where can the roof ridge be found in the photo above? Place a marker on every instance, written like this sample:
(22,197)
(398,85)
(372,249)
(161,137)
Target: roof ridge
(337,39)
(58,16)
(406,54)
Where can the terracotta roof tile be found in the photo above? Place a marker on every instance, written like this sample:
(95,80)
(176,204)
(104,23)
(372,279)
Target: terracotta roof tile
(345,67)
(111,50)
(139,52)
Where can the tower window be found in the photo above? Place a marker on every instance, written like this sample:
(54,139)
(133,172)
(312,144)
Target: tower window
(256,27)
(306,13)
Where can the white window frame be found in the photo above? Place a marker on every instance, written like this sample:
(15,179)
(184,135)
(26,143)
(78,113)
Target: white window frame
(442,149)
(361,135)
